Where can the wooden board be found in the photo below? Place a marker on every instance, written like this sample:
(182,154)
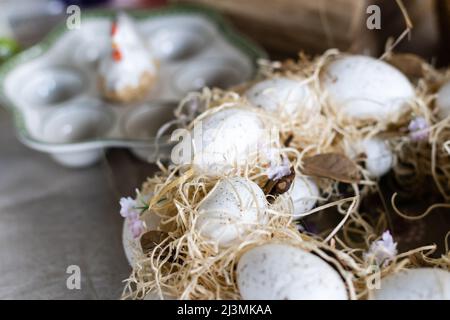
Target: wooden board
(286,26)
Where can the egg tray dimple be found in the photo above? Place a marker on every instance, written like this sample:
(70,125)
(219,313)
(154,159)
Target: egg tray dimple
(53,90)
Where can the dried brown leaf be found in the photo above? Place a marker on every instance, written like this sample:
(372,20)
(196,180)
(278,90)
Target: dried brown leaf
(410,64)
(151,239)
(279,186)
(333,166)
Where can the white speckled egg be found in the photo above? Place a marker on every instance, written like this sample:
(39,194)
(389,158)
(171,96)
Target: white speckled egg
(443,101)
(283,95)
(230,209)
(366,88)
(227,138)
(379,157)
(304,194)
(415,284)
(283,272)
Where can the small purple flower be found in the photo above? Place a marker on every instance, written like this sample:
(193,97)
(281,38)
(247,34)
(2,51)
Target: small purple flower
(418,129)
(136,227)
(382,251)
(277,171)
(127,207)
(128,210)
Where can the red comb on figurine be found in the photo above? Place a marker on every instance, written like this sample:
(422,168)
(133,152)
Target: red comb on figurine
(113,28)
(117,56)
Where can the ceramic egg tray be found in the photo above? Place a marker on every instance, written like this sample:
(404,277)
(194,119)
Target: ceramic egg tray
(53,92)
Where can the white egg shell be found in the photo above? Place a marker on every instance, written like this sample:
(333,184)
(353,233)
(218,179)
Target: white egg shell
(283,95)
(231,209)
(379,157)
(366,88)
(443,101)
(227,138)
(132,245)
(415,284)
(283,272)
(304,194)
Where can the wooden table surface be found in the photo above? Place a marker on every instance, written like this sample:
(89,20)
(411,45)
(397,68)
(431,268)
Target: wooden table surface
(52,217)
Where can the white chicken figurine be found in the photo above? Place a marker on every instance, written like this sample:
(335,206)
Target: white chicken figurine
(128,71)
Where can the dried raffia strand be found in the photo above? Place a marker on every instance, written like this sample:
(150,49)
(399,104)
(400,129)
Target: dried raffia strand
(447,146)
(407,32)
(419,216)
(201,267)
(187,266)
(426,158)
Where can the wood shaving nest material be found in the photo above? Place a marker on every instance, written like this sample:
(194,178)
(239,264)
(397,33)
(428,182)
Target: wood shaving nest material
(186,266)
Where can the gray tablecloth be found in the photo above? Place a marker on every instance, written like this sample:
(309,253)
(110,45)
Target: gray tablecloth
(52,217)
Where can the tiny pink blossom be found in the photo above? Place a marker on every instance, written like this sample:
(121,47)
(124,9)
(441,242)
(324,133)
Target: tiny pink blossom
(277,171)
(127,207)
(133,215)
(418,129)
(382,251)
(136,227)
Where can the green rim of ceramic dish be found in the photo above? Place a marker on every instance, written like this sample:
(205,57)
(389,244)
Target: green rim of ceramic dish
(251,50)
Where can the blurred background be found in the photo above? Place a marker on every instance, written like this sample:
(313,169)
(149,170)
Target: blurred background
(52,217)
(283,27)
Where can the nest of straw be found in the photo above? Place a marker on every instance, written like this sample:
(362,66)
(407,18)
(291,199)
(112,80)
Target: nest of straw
(187,266)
